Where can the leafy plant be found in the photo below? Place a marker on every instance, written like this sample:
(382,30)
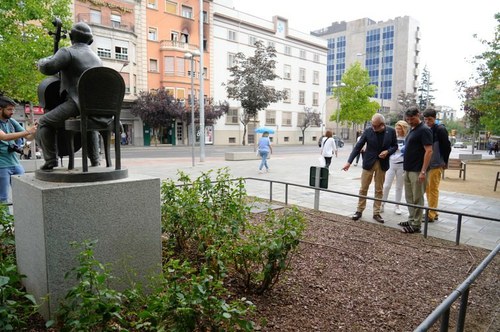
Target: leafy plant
(263,254)
(203,216)
(16,306)
(90,304)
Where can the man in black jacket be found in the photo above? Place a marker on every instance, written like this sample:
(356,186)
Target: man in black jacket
(380,143)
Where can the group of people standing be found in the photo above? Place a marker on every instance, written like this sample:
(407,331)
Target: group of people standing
(415,154)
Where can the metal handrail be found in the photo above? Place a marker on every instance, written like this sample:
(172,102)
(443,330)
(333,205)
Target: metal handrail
(459,215)
(443,310)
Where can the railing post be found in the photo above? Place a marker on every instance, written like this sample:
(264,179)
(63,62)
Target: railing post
(286,194)
(316,185)
(459,229)
(270,191)
(445,321)
(463,311)
(426,221)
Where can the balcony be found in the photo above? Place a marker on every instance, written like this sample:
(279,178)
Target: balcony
(175,45)
(106,22)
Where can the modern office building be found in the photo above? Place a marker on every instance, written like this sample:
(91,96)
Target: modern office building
(389,50)
(300,62)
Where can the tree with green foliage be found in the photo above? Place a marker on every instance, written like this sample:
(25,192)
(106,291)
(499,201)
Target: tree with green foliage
(354,98)
(487,99)
(425,90)
(247,84)
(24,39)
(311,118)
(157,109)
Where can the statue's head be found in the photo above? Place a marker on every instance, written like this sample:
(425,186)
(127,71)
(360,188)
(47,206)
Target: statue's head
(81,33)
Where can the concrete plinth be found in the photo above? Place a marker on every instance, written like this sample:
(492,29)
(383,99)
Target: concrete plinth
(122,215)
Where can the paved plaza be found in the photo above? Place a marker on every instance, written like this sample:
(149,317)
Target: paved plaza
(294,168)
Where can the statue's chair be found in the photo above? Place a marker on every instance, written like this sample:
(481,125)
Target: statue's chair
(100,93)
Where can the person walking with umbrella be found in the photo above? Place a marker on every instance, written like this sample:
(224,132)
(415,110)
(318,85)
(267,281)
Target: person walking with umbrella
(264,148)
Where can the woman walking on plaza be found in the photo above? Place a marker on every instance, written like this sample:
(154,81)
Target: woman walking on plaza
(264,150)
(396,167)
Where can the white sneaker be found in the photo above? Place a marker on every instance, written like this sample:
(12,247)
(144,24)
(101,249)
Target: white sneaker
(261,171)
(397,210)
(268,170)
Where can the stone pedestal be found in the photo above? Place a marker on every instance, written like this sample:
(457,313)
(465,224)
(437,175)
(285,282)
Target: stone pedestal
(122,215)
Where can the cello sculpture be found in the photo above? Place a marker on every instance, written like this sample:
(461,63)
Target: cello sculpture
(58,93)
(49,96)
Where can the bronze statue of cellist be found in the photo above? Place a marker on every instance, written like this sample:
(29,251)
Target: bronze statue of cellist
(70,63)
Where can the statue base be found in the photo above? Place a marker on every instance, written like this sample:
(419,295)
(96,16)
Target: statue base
(95,174)
(123,216)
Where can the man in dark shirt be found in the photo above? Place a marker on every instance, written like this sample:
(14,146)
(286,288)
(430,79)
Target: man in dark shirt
(418,152)
(380,143)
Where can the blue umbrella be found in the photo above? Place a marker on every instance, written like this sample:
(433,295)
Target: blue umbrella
(261,130)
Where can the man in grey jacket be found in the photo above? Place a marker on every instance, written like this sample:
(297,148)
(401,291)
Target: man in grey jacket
(70,63)
(441,148)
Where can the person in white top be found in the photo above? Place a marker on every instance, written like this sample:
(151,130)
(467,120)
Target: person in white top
(396,167)
(328,148)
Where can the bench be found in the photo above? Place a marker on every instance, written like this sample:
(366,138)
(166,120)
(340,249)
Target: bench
(457,164)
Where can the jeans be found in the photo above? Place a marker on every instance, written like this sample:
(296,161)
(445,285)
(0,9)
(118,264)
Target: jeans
(5,174)
(414,193)
(395,171)
(263,163)
(328,161)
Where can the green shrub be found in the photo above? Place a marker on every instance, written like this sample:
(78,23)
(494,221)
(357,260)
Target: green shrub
(264,252)
(90,304)
(202,216)
(191,300)
(16,306)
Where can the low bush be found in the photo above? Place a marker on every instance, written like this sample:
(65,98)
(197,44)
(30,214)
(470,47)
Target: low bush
(16,306)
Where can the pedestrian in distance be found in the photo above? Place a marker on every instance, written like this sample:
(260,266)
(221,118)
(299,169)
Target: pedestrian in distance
(381,143)
(10,131)
(418,153)
(396,170)
(264,149)
(441,149)
(328,148)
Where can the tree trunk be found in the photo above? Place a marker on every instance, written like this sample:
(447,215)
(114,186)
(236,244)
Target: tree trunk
(244,134)
(303,136)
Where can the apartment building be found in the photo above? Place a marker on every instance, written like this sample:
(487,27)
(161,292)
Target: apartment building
(173,31)
(389,50)
(119,40)
(300,62)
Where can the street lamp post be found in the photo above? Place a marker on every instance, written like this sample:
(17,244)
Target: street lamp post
(338,86)
(191,55)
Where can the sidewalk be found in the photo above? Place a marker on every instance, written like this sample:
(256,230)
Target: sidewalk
(294,168)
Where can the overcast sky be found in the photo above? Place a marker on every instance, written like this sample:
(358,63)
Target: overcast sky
(447,29)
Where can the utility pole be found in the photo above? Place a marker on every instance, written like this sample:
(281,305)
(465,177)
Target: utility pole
(202,94)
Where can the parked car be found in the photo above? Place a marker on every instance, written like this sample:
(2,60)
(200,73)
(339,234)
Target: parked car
(459,145)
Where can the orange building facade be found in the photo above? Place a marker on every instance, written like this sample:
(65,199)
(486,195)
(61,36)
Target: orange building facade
(173,29)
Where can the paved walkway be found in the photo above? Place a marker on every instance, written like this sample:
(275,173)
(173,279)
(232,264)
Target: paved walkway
(294,168)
